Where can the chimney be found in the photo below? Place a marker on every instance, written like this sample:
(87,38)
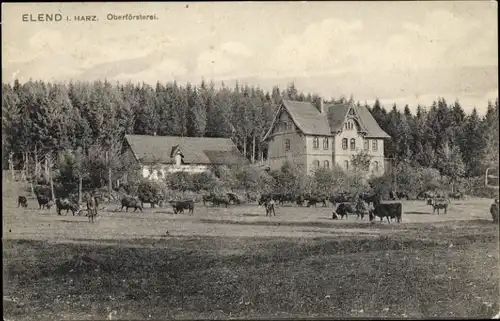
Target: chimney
(321,106)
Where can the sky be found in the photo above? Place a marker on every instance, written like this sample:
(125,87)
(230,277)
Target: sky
(399,52)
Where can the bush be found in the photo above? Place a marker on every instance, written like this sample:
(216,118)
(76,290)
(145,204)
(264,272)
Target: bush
(203,181)
(179,181)
(149,190)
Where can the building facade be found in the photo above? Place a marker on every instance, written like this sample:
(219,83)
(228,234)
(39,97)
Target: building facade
(312,136)
(160,155)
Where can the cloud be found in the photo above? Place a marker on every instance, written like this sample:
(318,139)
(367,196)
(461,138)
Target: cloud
(227,60)
(442,40)
(320,48)
(162,71)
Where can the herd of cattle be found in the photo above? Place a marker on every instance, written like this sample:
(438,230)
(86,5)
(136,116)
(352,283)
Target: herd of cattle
(364,204)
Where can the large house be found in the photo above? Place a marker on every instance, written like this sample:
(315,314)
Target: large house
(158,155)
(320,136)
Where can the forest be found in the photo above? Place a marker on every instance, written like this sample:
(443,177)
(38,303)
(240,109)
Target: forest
(48,118)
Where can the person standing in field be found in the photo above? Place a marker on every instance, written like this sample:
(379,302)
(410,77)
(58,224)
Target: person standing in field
(494,211)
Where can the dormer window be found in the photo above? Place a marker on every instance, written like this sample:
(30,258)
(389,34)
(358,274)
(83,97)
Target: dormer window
(349,125)
(178,159)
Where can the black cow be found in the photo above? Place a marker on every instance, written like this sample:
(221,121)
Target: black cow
(287,197)
(457,195)
(387,210)
(68,205)
(494,211)
(233,198)
(402,195)
(22,201)
(217,200)
(207,198)
(341,198)
(425,195)
(439,204)
(153,200)
(128,201)
(43,200)
(299,200)
(370,198)
(313,200)
(180,206)
(344,209)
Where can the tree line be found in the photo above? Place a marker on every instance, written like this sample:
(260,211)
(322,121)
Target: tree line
(56,117)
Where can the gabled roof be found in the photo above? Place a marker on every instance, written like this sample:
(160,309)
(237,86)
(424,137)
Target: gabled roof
(195,150)
(305,116)
(372,127)
(310,121)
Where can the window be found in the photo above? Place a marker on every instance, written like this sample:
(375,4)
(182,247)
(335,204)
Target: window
(325,143)
(326,164)
(287,145)
(367,144)
(290,126)
(316,143)
(349,125)
(353,143)
(344,143)
(374,145)
(346,165)
(375,166)
(316,164)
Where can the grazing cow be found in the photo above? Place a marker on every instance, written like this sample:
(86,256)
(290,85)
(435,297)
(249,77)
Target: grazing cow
(494,211)
(340,198)
(287,197)
(233,198)
(217,200)
(402,195)
(207,198)
(439,204)
(68,205)
(128,201)
(180,206)
(153,200)
(387,210)
(370,198)
(344,208)
(92,208)
(22,201)
(300,200)
(457,195)
(313,200)
(270,207)
(425,195)
(43,200)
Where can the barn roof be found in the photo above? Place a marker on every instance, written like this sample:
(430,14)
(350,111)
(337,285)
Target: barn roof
(195,150)
(310,121)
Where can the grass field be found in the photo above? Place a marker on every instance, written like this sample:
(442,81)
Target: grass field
(236,263)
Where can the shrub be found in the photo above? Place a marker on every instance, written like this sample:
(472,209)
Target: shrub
(149,190)
(203,181)
(179,181)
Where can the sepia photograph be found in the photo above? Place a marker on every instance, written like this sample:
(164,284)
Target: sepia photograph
(250,160)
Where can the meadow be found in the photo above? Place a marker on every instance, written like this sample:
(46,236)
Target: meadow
(235,262)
